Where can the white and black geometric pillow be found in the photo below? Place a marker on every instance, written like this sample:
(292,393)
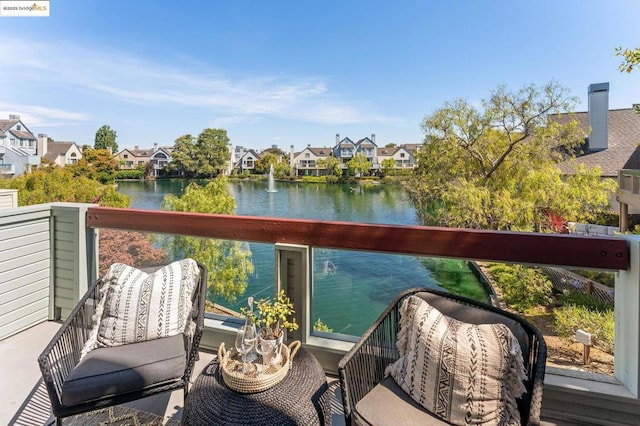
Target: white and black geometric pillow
(462,373)
(136,306)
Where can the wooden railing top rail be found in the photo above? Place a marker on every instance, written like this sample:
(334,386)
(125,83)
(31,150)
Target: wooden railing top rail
(517,247)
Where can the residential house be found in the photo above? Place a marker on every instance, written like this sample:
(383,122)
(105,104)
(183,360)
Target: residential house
(159,157)
(368,148)
(344,150)
(247,161)
(402,155)
(611,136)
(59,153)
(306,162)
(18,147)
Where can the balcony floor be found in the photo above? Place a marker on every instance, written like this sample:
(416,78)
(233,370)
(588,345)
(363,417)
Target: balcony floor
(24,399)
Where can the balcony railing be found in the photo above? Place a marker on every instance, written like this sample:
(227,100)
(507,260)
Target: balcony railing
(72,263)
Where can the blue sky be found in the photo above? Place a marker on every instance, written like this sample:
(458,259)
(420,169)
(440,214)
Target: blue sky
(297,72)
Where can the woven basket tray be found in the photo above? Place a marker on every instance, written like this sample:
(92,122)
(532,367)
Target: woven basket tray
(258,377)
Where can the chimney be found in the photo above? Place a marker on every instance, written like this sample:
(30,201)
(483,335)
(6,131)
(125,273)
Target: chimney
(337,138)
(291,162)
(155,147)
(373,137)
(42,145)
(599,116)
(14,117)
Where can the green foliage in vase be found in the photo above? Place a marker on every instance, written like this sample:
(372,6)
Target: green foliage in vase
(273,316)
(228,262)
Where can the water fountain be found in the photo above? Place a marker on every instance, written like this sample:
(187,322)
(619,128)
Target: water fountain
(272,181)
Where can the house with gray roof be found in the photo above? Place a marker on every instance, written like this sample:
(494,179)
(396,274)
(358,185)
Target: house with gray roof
(61,153)
(18,147)
(611,136)
(305,162)
(247,161)
(158,157)
(402,155)
(346,149)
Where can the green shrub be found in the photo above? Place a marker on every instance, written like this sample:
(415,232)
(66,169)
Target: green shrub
(569,318)
(578,298)
(314,179)
(522,288)
(129,174)
(332,179)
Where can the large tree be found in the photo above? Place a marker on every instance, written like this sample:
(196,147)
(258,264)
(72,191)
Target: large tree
(183,157)
(228,262)
(332,165)
(359,165)
(212,152)
(106,139)
(98,164)
(281,167)
(630,58)
(267,159)
(204,156)
(494,165)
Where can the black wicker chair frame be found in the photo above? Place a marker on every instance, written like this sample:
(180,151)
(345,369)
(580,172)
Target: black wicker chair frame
(62,354)
(362,368)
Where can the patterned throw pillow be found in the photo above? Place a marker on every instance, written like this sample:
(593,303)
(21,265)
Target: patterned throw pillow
(462,373)
(137,306)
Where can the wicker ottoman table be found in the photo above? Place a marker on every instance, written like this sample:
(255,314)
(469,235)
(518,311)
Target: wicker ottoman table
(301,398)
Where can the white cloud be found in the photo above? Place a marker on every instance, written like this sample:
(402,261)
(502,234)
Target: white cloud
(38,116)
(123,77)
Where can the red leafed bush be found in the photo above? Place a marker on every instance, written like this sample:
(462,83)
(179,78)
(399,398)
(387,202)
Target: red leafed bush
(128,247)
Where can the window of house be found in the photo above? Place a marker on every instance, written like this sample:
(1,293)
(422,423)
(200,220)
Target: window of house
(307,155)
(126,155)
(19,127)
(402,155)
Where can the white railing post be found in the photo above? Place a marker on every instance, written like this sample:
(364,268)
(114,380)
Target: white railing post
(293,275)
(627,320)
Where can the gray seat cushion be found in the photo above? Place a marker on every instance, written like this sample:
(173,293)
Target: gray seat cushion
(473,315)
(388,404)
(107,372)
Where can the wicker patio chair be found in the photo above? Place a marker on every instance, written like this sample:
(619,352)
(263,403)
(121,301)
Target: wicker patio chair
(361,370)
(117,374)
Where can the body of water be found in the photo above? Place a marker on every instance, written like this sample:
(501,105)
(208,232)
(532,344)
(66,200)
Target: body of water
(350,288)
